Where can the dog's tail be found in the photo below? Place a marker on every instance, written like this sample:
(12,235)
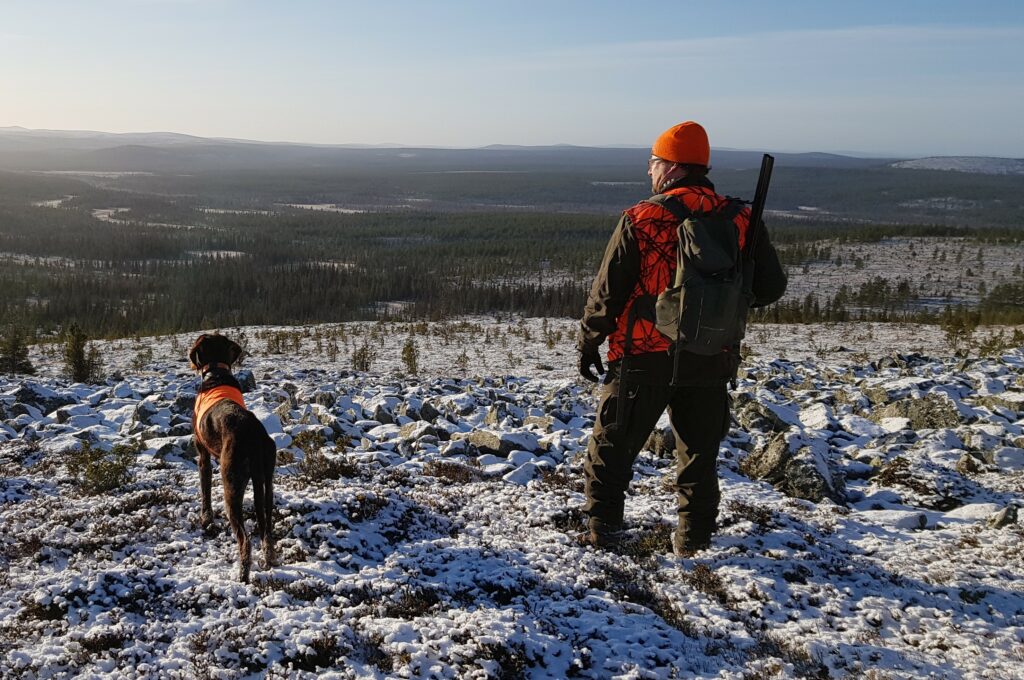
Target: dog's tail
(263,467)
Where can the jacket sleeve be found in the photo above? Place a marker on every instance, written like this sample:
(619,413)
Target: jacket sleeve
(769,276)
(615,280)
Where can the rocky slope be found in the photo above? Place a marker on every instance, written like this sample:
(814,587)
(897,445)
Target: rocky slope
(428,527)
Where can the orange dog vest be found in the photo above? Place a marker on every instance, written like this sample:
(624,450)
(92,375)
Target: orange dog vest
(206,400)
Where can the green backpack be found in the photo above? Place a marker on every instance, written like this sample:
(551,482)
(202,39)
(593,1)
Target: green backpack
(704,310)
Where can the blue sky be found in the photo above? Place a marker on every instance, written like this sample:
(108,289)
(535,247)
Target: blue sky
(897,77)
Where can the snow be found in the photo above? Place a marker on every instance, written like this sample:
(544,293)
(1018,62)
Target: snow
(431,557)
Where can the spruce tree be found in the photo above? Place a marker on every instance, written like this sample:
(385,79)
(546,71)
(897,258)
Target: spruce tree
(81,362)
(14,352)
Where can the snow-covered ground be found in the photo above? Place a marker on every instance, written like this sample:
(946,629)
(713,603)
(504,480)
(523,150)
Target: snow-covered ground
(986,165)
(933,268)
(447,546)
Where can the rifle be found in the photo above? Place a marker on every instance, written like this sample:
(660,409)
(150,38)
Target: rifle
(746,258)
(760,196)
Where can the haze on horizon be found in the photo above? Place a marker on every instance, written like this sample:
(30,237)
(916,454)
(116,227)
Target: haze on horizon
(911,79)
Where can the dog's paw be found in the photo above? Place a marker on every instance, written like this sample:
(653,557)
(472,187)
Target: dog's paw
(207,524)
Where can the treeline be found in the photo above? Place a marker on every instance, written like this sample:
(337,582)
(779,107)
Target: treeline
(166,265)
(879,299)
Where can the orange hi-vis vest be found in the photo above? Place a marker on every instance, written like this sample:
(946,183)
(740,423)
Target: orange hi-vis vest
(655,231)
(206,400)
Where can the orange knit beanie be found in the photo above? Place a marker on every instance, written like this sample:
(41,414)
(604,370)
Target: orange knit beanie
(684,143)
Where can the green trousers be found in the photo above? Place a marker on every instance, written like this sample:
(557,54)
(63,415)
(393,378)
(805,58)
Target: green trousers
(700,420)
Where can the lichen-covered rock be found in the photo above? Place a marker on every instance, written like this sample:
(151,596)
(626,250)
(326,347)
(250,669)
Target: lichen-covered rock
(1004,517)
(502,443)
(756,416)
(968,465)
(662,443)
(932,411)
(798,468)
(1011,401)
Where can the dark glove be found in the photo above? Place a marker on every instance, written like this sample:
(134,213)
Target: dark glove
(590,357)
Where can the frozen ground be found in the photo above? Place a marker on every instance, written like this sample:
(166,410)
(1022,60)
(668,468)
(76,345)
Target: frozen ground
(939,271)
(444,542)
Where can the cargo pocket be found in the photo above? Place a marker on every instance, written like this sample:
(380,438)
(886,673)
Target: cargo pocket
(613,418)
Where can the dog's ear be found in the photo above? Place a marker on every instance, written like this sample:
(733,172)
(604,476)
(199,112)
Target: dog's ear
(234,351)
(193,354)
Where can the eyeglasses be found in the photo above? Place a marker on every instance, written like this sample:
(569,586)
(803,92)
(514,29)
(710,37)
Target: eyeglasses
(652,160)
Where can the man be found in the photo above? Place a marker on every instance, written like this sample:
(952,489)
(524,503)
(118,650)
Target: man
(639,263)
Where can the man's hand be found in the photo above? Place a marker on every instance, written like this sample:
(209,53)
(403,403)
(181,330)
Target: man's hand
(590,358)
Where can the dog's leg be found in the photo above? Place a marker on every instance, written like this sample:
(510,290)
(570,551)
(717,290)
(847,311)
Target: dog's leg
(234,494)
(269,467)
(258,499)
(205,480)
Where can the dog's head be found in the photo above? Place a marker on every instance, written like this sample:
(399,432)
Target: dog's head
(213,349)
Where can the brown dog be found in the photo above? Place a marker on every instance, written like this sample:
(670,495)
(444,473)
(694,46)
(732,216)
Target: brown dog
(224,428)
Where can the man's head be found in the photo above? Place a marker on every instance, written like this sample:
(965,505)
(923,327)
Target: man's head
(680,151)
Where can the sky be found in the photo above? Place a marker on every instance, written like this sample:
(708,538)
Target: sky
(900,77)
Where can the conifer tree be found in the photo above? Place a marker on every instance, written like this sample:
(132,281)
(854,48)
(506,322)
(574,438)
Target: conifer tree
(14,352)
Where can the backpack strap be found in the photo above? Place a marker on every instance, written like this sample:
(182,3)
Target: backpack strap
(671,204)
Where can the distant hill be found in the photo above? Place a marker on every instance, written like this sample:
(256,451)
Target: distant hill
(982,165)
(21,148)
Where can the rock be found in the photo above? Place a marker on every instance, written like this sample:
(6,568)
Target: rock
(144,412)
(382,415)
(325,399)
(973,512)
(180,430)
(522,474)
(818,416)
(931,411)
(503,443)
(284,411)
(521,457)
(500,413)
(757,416)
(1004,517)
(42,398)
(417,430)
(894,424)
(121,390)
(246,380)
(1011,401)
(897,519)
(428,412)
(986,437)
(798,468)
(661,442)
(1009,458)
(543,423)
(183,404)
(878,396)
(66,413)
(969,465)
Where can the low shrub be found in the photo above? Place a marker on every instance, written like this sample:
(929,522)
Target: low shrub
(96,471)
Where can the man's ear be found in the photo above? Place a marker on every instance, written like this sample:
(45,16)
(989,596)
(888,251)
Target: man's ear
(193,354)
(234,352)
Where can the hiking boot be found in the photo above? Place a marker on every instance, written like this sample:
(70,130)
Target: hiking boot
(685,546)
(692,534)
(604,534)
